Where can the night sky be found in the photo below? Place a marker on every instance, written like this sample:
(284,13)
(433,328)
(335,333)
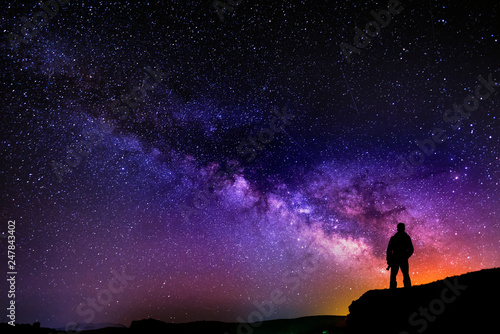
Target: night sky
(164,160)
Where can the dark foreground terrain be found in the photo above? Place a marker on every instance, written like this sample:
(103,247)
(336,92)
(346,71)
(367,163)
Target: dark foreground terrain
(305,325)
(461,304)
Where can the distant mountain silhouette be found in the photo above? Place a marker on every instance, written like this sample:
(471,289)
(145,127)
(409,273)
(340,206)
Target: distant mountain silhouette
(305,325)
(467,303)
(93,326)
(88,329)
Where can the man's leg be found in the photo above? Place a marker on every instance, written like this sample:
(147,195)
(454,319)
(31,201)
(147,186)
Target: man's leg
(394,273)
(406,274)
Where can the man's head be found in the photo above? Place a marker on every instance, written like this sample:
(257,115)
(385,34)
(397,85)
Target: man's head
(401,227)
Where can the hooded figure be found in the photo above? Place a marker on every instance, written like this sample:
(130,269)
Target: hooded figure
(399,250)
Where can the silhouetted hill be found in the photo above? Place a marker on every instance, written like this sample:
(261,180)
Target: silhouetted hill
(30,329)
(305,325)
(460,304)
(92,326)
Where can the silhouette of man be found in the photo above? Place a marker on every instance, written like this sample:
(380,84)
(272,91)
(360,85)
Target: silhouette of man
(400,248)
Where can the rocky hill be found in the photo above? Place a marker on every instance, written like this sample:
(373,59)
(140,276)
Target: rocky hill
(461,304)
(305,325)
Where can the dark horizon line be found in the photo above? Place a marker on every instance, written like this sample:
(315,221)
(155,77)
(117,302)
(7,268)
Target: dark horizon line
(176,323)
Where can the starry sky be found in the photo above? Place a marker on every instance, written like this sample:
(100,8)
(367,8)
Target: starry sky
(173,160)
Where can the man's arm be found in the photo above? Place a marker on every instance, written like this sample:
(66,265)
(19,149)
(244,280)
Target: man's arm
(389,252)
(410,247)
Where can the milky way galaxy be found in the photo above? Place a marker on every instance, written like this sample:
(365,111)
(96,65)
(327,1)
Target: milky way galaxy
(174,161)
